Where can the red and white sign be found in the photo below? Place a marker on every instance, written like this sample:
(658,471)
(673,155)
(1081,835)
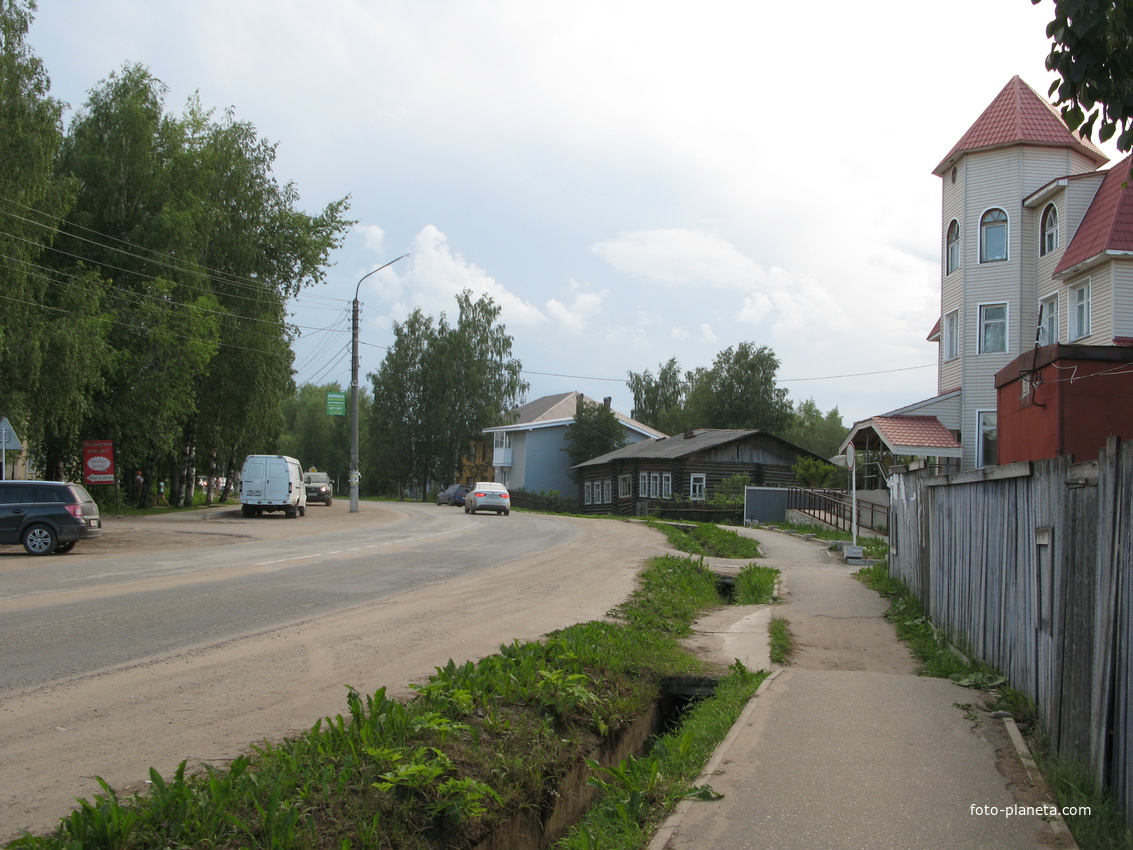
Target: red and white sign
(98,462)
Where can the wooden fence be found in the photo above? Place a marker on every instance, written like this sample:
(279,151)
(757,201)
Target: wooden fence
(1030,566)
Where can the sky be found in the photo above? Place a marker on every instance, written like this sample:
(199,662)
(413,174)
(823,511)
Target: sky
(630,181)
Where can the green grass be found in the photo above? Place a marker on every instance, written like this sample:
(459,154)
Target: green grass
(782,640)
(755,585)
(872,547)
(479,742)
(705,538)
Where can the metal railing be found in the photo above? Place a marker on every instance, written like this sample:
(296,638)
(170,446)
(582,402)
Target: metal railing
(834,507)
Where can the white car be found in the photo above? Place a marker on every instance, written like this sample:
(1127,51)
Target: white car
(488,496)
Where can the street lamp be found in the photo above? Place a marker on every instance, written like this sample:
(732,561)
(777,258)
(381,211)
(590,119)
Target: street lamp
(354,391)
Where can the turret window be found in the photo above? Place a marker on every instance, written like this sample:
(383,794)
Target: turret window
(993,236)
(1049,230)
(953,256)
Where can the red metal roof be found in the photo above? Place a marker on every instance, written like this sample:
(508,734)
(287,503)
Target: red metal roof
(1108,223)
(1017,115)
(922,431)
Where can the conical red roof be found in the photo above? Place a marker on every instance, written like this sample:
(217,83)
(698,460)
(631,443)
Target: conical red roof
(1019,115)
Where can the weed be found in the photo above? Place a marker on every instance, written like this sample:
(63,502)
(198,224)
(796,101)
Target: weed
(782,640)
(755,585)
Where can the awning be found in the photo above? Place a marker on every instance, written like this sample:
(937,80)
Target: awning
(915,436)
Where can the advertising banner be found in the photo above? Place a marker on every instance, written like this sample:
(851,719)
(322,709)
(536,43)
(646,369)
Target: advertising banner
(98,462)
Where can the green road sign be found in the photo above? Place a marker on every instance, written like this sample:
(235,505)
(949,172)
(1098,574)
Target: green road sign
(336,404)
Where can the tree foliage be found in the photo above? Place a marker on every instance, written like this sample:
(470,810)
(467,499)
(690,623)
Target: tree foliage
(812,429)
(437,388)
(595,431)
(1092,52)
(146,261)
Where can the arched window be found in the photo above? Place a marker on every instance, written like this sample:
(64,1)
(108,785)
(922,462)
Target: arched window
(1049,230)
(953,256)
(993,236)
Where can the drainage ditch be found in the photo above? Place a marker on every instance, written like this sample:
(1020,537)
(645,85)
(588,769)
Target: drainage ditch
(538,827)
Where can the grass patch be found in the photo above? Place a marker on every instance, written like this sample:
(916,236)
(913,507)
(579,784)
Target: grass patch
(872,547)
(755,585)
(1073,785)
(782,640)
(705,538)
(479,742)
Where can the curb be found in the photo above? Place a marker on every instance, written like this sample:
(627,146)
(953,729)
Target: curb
(1036,777)
(672,822)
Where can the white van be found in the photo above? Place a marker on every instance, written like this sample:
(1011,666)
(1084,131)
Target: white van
(272,483)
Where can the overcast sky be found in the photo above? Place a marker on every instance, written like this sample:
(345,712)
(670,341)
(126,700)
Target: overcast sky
(631,181)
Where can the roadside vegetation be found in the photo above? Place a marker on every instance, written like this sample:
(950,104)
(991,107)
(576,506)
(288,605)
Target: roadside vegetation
(872,547)
(782,640)
(1069,780)
(708,539)
(478,743)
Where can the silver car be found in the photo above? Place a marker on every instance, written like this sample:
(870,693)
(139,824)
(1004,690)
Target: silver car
(488,496)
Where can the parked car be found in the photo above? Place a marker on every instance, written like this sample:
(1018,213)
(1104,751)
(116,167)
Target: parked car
(319,488)
(488,496)
(47,516)
(453,494)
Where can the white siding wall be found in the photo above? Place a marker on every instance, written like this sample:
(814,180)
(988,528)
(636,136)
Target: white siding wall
(1123,299)
(952,285)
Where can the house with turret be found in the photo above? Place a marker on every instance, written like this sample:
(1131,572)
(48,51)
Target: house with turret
(1036,253)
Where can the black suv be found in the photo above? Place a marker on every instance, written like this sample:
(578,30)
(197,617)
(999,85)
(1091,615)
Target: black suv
(47,516)
(319,487)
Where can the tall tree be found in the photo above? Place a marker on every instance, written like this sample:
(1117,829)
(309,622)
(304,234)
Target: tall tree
(1092,52)
(659,401)
(438,387)
(739,391)
(812,429)
(37,339)
(595,431)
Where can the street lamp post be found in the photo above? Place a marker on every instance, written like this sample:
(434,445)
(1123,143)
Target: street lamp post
(354,389)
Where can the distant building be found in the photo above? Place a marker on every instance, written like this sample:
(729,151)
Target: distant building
(529,452)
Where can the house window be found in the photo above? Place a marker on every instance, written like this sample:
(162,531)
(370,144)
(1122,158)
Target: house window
(625,486)
(1080,312)
(643,485)
(1048,320)
(952,335)
(1049,241)
(953,254)
(587,493)
(654,485)
(987,452)
(503,440)
(607,491)
(993,236)
(666,485)
(993,328)
(697,484)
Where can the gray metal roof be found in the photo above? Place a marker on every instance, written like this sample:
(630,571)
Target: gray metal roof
(685,444)
(559,409)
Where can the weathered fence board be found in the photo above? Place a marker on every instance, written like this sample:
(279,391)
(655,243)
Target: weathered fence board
(1029,566)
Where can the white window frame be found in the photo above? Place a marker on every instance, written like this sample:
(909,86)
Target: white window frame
(625,486)
(986,324)
(951,335)
(502,440)
(1048,230)
(986,421)
(1081,321)
(666,485)
(697,487)
(986,227)
(952,247)
(643,485)
(654,485)
(587,493)
(607,491)
(1048,326)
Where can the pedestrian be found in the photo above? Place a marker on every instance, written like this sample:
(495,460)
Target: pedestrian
(161,494)
(139,489)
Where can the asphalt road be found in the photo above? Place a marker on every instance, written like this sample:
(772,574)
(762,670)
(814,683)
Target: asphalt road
(131,598)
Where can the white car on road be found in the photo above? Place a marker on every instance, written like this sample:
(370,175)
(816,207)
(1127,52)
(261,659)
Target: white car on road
(488,496)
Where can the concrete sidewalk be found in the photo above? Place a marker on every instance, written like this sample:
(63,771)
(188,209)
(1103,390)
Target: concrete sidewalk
(848,747)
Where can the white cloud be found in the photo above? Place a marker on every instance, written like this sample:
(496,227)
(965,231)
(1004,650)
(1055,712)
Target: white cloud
(574,317)
(678,257)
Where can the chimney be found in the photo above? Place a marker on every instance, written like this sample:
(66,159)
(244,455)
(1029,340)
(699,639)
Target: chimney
(689,434)
(606,402)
